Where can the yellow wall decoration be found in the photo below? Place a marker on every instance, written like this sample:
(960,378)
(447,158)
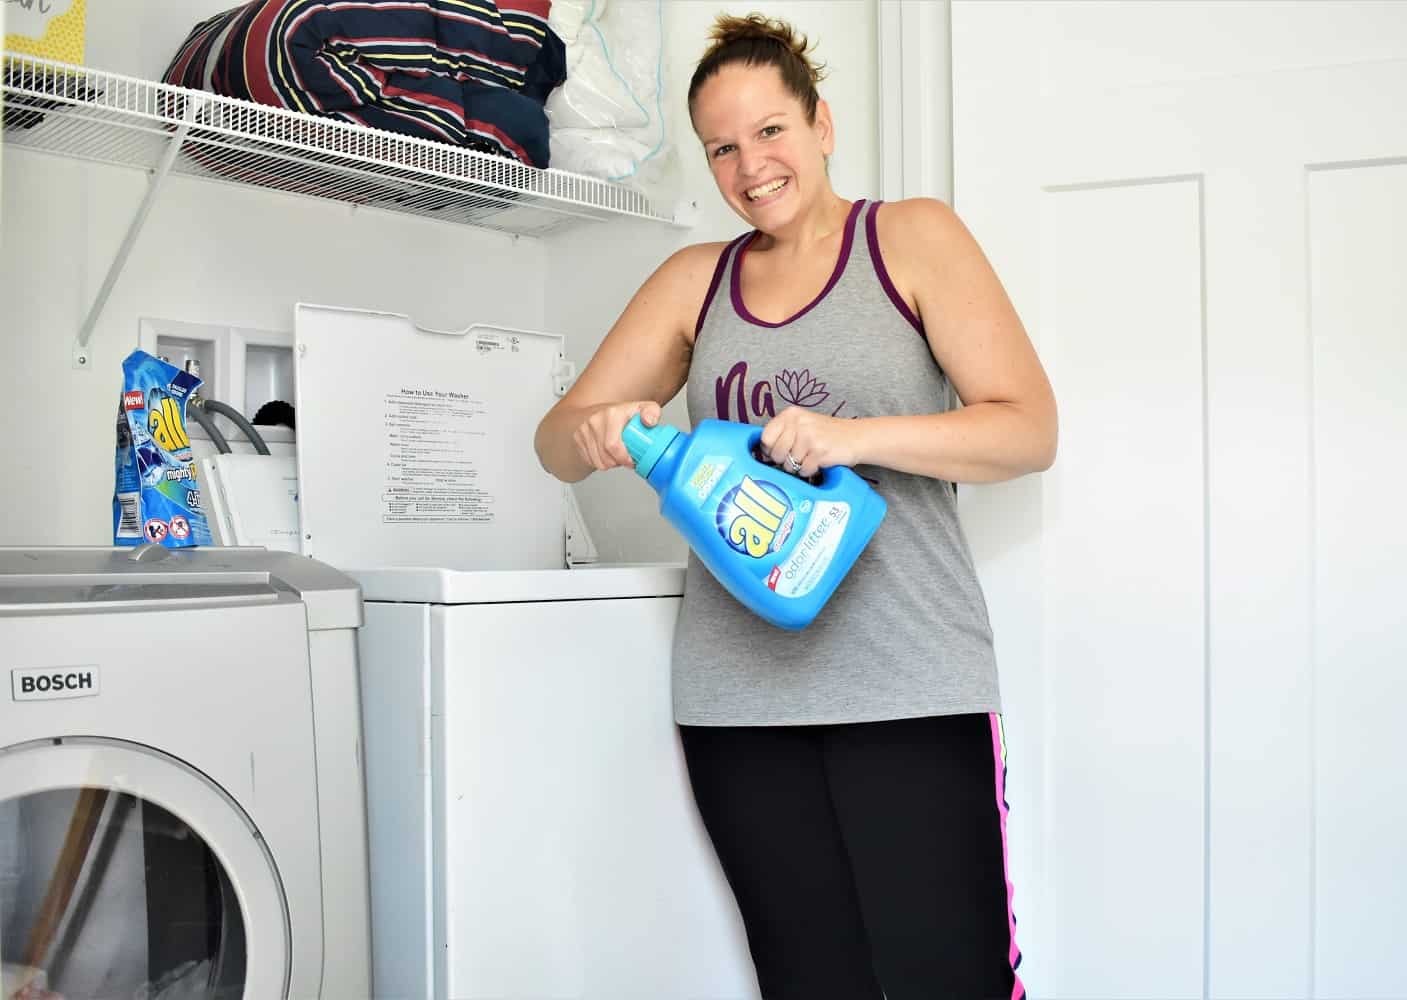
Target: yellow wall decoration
(61,37)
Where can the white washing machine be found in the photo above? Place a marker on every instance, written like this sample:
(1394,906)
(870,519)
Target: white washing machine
(181,791)
(532,830)
(531,826)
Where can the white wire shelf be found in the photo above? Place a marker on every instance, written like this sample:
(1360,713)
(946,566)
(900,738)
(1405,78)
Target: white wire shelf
(88,114)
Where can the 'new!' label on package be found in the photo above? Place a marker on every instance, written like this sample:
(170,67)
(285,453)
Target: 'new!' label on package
(157,497)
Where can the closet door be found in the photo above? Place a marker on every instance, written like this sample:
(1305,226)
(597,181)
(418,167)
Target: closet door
(1201,213)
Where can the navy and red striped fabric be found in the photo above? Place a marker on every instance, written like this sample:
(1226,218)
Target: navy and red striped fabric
(468,72)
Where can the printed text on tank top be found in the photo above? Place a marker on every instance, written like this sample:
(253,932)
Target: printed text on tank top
(742,396)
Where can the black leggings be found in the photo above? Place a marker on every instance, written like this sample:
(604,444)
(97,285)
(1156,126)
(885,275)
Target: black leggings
(868,860)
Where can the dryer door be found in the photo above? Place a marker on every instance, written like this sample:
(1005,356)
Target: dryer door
(124,872)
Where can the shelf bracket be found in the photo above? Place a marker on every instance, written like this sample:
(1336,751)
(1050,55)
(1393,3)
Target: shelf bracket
(82,357)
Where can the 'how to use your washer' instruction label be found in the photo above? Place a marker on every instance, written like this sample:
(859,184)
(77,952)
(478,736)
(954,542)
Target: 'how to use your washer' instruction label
(437,447)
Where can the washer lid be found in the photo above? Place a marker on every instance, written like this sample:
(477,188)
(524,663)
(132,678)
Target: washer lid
(415,446)
(67,578)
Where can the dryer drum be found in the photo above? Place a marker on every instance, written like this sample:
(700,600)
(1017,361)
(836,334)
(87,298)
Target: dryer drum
(104,893)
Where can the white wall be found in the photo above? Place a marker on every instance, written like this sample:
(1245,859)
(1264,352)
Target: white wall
(211,253)
(594,272)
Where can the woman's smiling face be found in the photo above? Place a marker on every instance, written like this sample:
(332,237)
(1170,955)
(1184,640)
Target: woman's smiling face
(769,162)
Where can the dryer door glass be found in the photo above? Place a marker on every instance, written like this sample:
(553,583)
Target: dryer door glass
(106,894)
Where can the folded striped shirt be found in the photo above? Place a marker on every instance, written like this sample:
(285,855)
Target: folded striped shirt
(467,72)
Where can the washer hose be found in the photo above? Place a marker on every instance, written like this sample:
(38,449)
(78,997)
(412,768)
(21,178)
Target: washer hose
(197,410)
(239,420)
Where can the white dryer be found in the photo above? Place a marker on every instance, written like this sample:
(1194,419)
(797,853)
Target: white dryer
(181,793)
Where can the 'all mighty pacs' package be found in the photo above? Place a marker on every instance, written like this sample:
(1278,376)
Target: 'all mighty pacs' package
(157,497)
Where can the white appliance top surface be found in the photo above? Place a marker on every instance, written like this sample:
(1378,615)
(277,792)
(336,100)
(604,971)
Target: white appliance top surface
(416,584)
(67,578)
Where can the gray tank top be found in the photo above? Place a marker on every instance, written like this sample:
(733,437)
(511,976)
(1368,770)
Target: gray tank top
(906,634)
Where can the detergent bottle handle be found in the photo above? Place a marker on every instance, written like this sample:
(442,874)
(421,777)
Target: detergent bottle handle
(822,478)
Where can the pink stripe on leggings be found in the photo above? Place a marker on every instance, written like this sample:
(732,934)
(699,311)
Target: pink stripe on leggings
(999,753)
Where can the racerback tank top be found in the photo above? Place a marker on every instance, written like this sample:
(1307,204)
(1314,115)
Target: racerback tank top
(906,634)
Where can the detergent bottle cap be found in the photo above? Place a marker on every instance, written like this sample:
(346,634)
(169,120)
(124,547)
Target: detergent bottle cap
(647,444)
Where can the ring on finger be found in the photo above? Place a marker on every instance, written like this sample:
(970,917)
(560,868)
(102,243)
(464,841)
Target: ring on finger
(792,464)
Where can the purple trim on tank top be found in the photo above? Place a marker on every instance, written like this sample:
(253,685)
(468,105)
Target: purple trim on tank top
(713,285)
(735,281)
(872,235)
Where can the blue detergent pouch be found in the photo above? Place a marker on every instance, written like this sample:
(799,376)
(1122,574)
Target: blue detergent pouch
(779,544)
(156,497)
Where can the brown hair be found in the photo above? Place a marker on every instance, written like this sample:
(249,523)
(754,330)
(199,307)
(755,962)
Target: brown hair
(761,41)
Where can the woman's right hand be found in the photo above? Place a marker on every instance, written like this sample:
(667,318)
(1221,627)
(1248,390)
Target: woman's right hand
(598,436)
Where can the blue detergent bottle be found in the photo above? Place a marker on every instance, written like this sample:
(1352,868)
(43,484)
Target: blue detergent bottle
(778,543)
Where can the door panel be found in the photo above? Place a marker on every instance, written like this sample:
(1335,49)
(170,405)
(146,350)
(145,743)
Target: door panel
(1358,244)
(1208,244)
(1124,530)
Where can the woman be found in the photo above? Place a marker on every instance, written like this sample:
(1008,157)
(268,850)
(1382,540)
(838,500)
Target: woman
(850,776)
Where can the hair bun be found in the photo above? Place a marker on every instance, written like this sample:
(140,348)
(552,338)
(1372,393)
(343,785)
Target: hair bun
(730,28)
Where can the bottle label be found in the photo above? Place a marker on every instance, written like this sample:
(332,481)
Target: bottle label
(755,517)
(705,477)
(800,572)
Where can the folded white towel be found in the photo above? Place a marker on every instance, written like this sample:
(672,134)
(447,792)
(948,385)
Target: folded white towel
(612,71)
(567,17)
(607,121)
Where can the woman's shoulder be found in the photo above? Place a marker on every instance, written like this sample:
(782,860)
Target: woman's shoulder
(694,264)
(921,237)
(916,219)
(703,252)
(679,286)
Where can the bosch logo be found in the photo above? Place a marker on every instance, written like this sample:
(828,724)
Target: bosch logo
(53,682)
(56,682)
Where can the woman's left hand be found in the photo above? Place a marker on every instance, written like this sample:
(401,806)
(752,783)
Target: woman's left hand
(803,441)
